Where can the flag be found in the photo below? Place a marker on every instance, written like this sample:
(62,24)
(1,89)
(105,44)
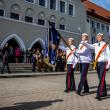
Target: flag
(54,40)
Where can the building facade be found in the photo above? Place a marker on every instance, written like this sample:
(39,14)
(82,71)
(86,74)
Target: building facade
(98,20)
(24,23)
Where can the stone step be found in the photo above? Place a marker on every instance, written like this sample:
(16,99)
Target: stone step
(18,67)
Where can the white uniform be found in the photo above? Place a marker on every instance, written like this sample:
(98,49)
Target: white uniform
(104,56)
(72,59)
(84,54)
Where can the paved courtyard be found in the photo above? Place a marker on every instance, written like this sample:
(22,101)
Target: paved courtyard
(46,93)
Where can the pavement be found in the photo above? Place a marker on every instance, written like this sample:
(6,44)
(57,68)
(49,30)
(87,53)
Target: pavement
(47,93)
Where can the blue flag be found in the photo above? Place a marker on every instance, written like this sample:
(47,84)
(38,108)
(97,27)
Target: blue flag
(54,40)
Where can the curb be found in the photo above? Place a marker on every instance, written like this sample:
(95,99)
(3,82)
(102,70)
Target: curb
(39,74)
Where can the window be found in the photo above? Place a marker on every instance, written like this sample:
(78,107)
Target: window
(70,9)
(41,22)
(98,25)
(28,19)
(15,11)
(14,16)
(32,1)
(1,12)
(93,24)
(62,27)
(103,27)
(88,20)
(42,2)
(107,28)
(62,6)
(53,4)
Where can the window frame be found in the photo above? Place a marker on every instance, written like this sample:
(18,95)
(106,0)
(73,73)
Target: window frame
(64,8)
(45,4)
(42,20)
(61,25)
(55,5)
(73,9)
(14,13)
(3,12)
(28,21)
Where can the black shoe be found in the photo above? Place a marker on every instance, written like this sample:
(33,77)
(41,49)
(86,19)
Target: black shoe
(98,97)
(78,93)
(84,92)
(66,91)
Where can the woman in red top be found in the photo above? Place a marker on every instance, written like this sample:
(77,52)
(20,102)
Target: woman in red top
(17,54)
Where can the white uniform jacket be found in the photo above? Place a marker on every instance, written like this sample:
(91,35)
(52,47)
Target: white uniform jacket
(84,54)
(104,56)
(71,58)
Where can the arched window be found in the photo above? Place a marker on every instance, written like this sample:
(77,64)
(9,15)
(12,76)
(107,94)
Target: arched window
(53,20)
(15,11)
(29,15)
(2,7)
(41,18)
(62,24)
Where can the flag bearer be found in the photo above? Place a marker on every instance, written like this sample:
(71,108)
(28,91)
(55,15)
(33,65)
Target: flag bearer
(71,63)
(101,58)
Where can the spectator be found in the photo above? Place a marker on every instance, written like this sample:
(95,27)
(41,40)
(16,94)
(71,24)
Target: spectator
(28,55)
(6,48)
(5,62)
(34,61)
(63,61)
(17,54)
(11,54)
(59,61)
(1,55)
(39,59)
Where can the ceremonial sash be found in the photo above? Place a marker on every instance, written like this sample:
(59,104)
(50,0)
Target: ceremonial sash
(81,47)
(102,49)
(71,53)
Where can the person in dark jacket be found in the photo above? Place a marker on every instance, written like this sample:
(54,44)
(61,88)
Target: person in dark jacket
(5,62)
(34,61)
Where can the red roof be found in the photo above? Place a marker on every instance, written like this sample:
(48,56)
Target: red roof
(97,10)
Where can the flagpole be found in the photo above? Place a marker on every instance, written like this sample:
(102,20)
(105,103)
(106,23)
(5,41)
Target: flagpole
(48,39)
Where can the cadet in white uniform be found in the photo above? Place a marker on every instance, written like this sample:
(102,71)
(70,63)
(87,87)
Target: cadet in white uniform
(71,63)
(101,57)
(85,59)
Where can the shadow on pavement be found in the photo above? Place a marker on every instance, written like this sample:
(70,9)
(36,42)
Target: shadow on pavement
(95,91)
(31,105)
(94,87)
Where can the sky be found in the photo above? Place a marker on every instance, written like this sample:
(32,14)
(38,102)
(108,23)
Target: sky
(103,3)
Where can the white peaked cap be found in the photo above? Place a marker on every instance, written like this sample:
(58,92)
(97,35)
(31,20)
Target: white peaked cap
(84,34)
(70,38)
(100,34)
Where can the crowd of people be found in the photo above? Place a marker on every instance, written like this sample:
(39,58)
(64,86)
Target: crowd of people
(33,56)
